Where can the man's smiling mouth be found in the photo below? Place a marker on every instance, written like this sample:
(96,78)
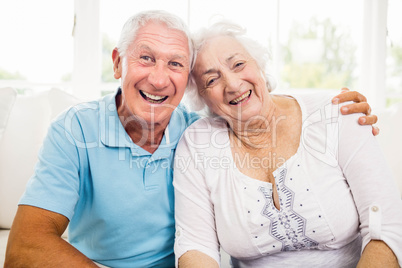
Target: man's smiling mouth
(241,99)
(153,98)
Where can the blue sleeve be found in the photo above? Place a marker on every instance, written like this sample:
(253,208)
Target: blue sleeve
(190,117)
(55,183)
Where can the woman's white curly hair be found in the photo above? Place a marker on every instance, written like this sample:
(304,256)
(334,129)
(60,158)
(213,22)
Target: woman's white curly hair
(226,28)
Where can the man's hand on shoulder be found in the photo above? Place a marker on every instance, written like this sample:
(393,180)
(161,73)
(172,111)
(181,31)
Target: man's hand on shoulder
(360,105)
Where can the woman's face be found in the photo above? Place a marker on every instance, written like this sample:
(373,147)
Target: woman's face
(229,80)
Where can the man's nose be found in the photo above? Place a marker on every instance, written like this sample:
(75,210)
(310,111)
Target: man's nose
(159,77)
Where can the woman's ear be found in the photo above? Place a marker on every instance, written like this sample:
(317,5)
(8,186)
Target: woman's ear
(116,63)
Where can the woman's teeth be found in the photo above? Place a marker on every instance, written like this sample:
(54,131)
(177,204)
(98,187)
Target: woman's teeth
(241,98)
(153,98)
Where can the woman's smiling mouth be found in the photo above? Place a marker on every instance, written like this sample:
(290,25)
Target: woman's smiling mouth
(153,98)
(241,99)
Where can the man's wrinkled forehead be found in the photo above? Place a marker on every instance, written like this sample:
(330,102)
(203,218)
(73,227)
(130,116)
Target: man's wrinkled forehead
(156,33)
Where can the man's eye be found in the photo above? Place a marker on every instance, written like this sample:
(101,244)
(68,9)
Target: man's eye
(146,58)
(176,64)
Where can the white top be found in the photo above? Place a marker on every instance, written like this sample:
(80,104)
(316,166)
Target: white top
(337,178)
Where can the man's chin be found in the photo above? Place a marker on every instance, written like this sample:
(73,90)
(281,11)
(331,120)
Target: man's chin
(157,118)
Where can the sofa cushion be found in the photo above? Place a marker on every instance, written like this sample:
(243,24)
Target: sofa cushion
(3,245)
(59,101)
(7,99)
(27,126)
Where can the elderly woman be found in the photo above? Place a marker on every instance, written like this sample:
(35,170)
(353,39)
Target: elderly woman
(275,180)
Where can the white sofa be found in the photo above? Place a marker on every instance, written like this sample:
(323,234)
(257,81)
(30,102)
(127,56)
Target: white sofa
(24,121)
(23,124)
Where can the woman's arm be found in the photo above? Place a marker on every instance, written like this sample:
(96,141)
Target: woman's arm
(196,259)
(194,209)
(374,191)
(377,254)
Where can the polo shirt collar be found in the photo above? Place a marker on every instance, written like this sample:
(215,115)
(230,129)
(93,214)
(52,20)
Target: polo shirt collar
(113,134)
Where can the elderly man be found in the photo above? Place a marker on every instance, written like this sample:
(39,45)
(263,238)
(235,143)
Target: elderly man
(105,167)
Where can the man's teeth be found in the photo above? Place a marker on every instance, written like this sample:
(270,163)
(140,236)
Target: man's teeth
(241,98)
(154,98)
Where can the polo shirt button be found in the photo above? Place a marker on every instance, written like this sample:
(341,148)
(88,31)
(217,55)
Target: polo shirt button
(374,208)
(112,107)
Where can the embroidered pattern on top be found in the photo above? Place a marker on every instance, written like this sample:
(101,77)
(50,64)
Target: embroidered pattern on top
(287,226)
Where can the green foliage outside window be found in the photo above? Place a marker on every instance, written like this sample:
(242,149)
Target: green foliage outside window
(394,68)
(107,65)
(6,75)
(336,66)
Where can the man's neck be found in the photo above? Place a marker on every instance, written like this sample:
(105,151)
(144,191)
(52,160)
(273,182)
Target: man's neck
(148,137)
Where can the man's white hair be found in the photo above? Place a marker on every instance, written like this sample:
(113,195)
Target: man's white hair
(134,23)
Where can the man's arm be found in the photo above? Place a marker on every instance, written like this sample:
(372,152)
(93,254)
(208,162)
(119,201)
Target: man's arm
(378,254)
(360,105)
(196,259)
(35,241)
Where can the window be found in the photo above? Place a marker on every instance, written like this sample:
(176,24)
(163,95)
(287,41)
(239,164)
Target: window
(314,44)
(319,43)
(36,43)
(258,17)
(197,14)
(394,53)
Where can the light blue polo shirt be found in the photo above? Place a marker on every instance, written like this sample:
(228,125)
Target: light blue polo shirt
(117,196)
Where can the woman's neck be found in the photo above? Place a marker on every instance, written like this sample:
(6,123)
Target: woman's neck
(260,132)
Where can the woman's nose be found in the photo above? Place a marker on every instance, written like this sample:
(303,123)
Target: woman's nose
(233,83)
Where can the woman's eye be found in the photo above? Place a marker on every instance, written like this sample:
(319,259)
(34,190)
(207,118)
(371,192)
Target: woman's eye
(210,81)
(239,64)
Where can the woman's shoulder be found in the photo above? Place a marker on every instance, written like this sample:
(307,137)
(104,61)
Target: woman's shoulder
(204,132)
(313,101)
(318,107)
(207,125)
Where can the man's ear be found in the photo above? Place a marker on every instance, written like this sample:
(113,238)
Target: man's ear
(116,63)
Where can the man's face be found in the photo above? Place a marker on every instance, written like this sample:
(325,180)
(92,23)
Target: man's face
(153,73)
